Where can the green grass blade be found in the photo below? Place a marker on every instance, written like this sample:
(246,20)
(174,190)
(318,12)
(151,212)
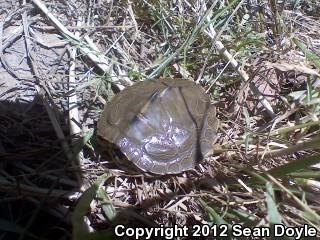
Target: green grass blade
(107,206)
(310,55)
(309,213)
(79,231)
(79,143)
(273,213)
(294,166)
(212,213)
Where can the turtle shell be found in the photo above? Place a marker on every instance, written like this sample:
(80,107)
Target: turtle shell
(164,126)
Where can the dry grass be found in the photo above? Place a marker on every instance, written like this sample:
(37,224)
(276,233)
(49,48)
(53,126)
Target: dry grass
(62,60)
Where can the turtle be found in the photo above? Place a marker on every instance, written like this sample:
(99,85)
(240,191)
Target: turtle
(163,126)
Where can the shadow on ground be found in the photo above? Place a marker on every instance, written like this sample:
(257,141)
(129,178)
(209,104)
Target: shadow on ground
(36,178)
